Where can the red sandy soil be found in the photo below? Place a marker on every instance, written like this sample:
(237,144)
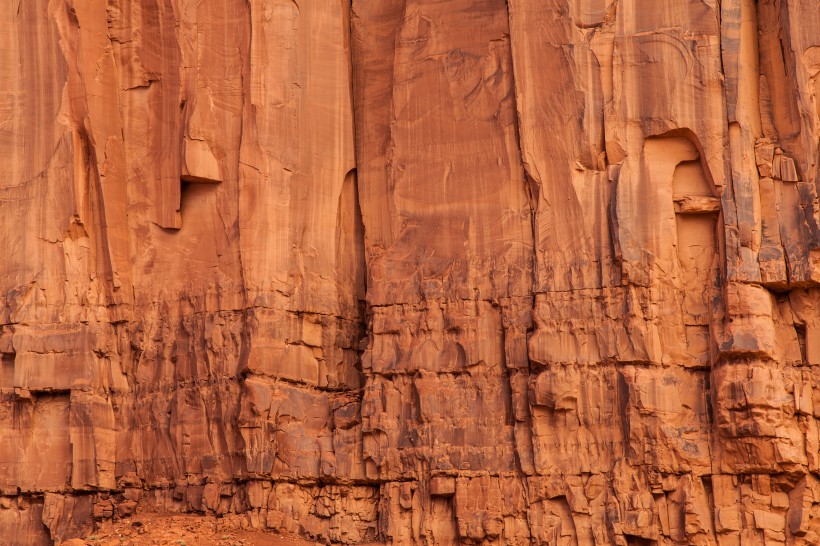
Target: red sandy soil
(151,529)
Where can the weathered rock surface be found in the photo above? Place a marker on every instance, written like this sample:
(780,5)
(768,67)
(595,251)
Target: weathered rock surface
(418,271)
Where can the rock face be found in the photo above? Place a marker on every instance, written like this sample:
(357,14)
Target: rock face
(419,271)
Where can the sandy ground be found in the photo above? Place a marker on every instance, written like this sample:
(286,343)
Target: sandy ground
(150,529)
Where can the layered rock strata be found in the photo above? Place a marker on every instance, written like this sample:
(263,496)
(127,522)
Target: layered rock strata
(417,271)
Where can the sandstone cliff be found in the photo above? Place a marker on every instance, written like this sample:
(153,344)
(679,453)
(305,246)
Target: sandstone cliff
(421,271)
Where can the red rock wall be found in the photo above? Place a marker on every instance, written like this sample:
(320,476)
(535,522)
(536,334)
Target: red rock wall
(422,271)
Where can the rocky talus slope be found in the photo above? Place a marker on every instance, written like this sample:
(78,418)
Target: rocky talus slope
(425,272)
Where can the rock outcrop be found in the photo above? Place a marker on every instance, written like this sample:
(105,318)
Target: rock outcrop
(418,271)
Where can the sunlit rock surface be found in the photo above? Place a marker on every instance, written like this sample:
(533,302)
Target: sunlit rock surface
(413,271)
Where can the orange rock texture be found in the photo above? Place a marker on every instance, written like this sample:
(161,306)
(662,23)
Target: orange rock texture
(424,272)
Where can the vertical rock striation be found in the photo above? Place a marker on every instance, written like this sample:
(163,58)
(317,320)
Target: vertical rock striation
(416,271)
